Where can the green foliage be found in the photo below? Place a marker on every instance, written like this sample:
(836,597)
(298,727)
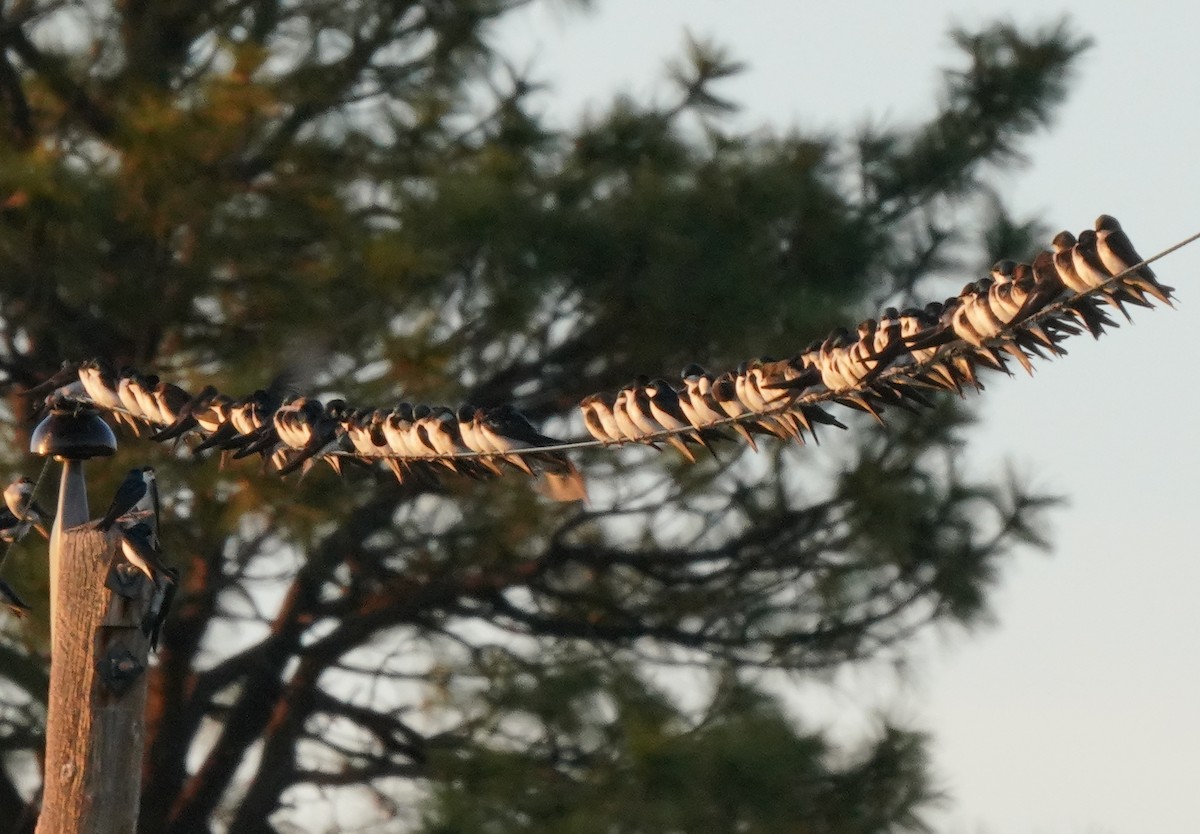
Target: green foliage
(361,197)
(606,754)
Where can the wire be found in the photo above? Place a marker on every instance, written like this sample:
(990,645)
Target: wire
(790,404)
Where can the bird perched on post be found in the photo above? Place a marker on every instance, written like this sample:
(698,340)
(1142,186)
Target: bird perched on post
(18,497)
(137,498)
(140,547)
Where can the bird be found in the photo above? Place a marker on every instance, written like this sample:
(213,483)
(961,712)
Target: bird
(666,409)
(129,401)
(12,529)
(319,430)
(1095,273)
(469,417)
(160,607)
(508,429)
(170,400)
(1118,255)
(14,603)
(637,408)
(140,547)
(18,497)
(100,383)
(186,415)
(136,496)
(65,381)
(598,417)
(141,388)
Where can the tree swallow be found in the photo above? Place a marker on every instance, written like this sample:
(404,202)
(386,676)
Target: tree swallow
(18,497)
(9,598)
(1117,254)
(137,498)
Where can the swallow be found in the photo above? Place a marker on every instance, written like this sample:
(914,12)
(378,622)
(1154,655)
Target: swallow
(65,381)
(100,383)
(1090,316)
(920,326)
(238,421)
(888,345)
(1064,262)
(1092,270)
(18,497)
(140,547)
(293,421)
(136,497)
(9,598)
(397,430)
(640,410)
(252,412)
(508,429)
(261,428)
(142,386)
(170,400)
(666,409)
(1002,271)
(752,390)
(363,433)
(160,607)
(418,436)
(323,436)
(184,413)
(434,435)
(626,427)
(598,418)
(701,406)
(747,384)
(133,414)
(724,395)
(442,432)
(12,529)
(469,417)
(697,385)
(364,428)
(1118,256)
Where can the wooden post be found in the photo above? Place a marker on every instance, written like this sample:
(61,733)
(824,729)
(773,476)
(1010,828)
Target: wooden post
(95,725)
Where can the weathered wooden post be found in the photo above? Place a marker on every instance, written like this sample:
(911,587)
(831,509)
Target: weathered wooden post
(95,719)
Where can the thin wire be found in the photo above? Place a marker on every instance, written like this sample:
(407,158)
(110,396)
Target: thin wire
(25,514)
(912,369)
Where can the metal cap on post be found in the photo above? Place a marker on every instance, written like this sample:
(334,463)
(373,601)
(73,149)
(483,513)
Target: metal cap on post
(72,432)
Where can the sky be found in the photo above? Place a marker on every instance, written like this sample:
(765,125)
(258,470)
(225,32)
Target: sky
(1076,711)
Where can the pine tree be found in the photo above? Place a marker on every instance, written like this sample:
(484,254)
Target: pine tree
(361,198)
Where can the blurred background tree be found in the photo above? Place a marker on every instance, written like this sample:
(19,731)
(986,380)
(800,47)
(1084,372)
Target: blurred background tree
(365,196)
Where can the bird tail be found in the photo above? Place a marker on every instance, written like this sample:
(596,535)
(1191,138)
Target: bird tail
(561,481)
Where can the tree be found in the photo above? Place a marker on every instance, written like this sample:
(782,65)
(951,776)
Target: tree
(361,196)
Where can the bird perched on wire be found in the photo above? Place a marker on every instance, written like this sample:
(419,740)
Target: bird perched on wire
(9,598)
(12,529)
(18,497)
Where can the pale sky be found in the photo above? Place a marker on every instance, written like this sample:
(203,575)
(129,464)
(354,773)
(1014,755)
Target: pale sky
(1077,712)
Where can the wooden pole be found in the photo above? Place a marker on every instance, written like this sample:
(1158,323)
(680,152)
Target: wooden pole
(95,724)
